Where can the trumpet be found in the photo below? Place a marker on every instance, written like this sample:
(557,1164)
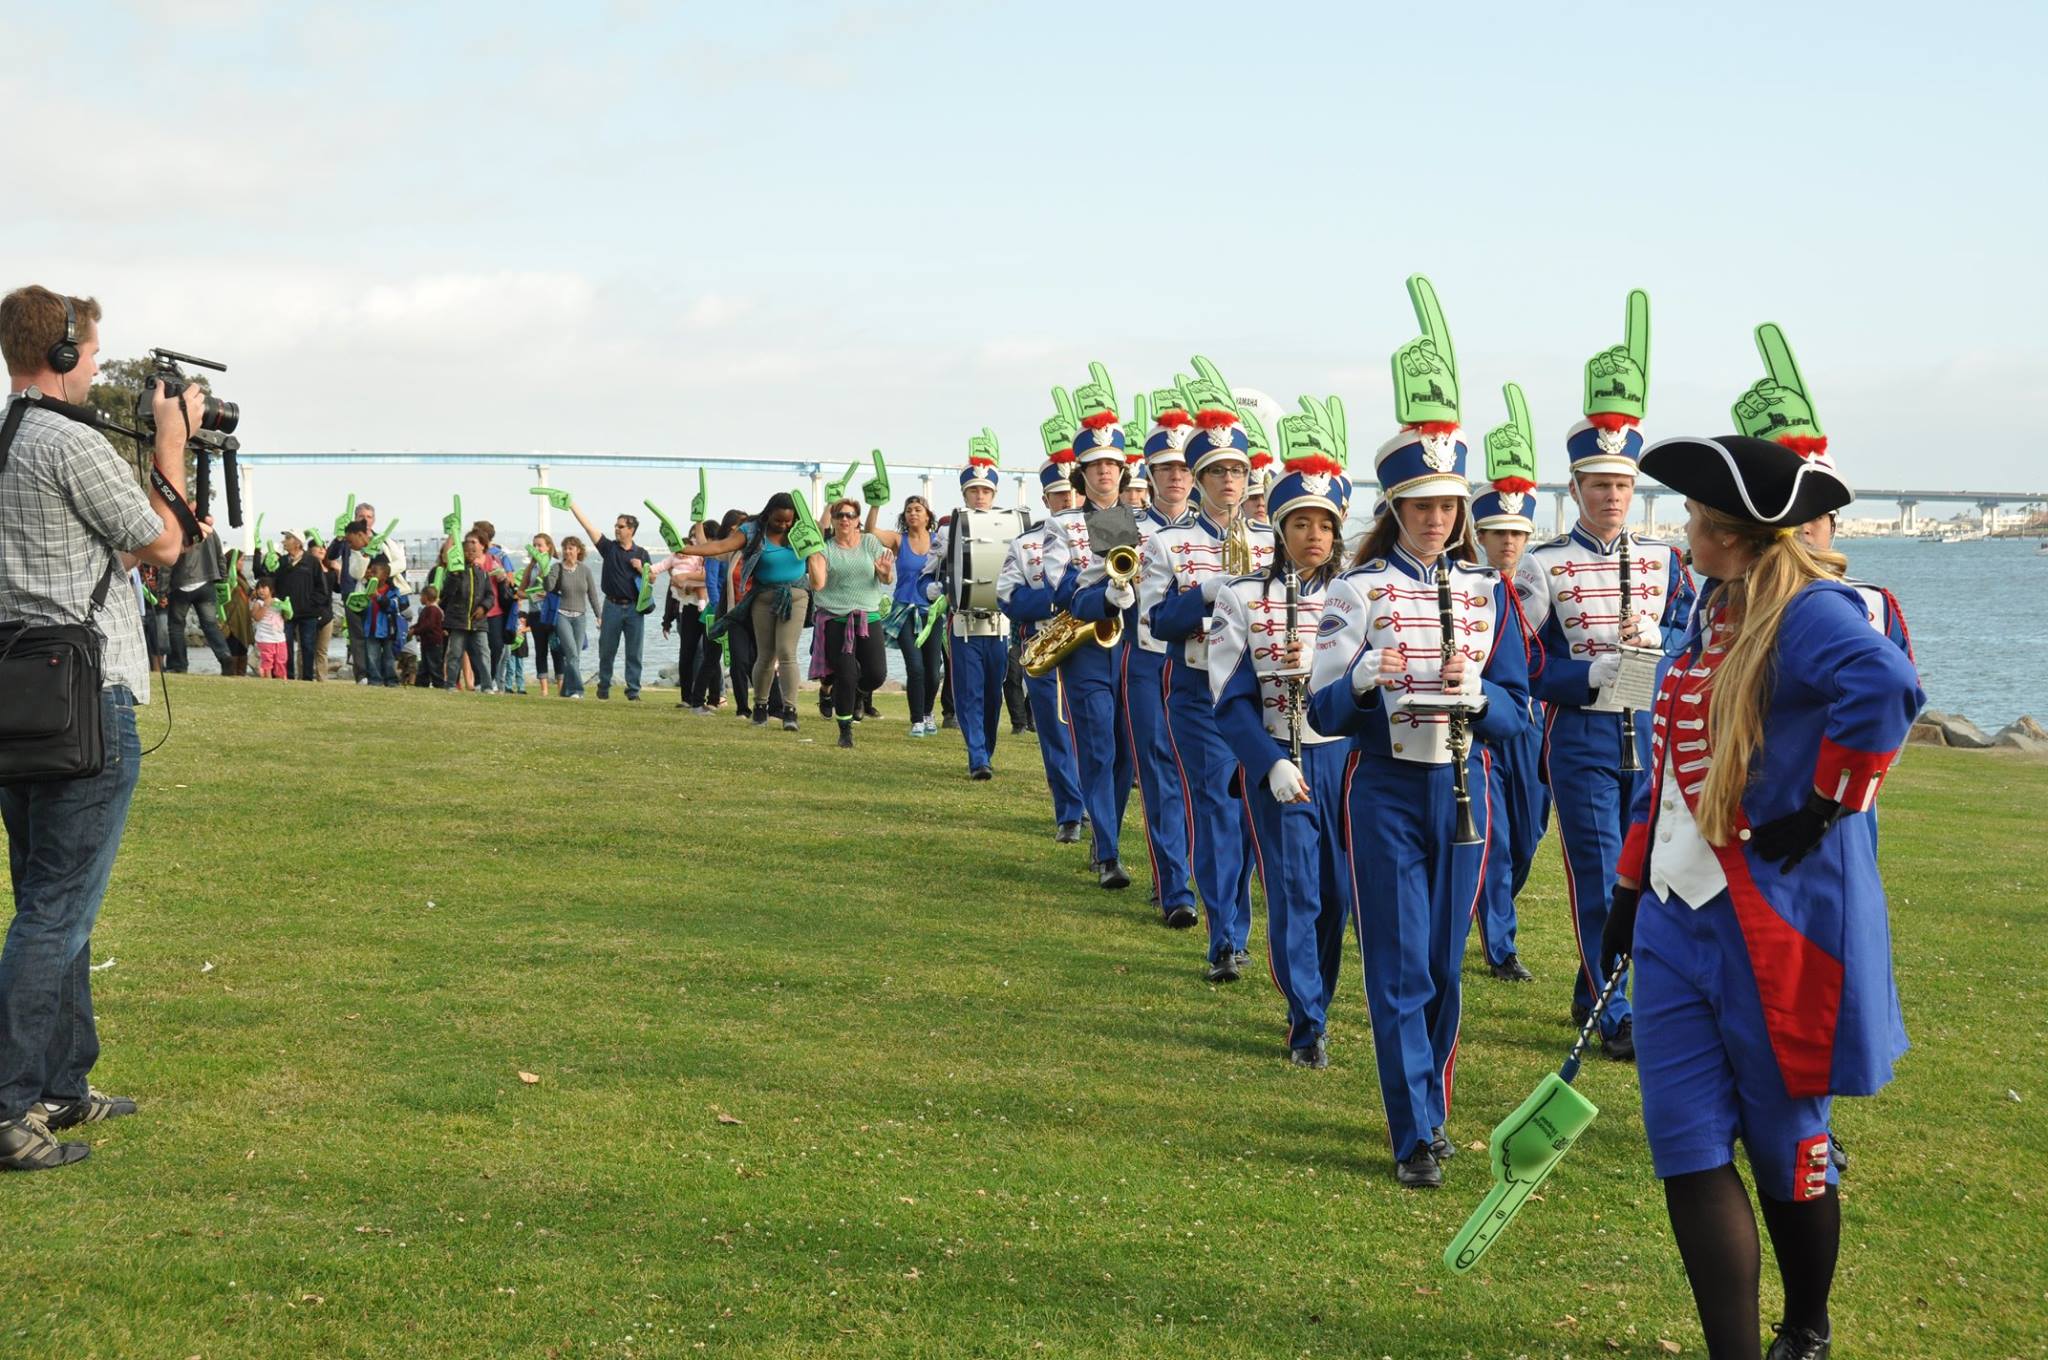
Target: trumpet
(1063,634)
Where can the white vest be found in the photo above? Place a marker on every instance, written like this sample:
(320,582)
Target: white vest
(1185,555)
(1250,619)
(1580,584)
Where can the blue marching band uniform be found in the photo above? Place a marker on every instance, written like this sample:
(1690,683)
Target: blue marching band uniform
(1026,597)
(977,638)
(1146,659)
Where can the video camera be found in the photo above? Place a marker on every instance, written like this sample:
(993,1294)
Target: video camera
(213,436)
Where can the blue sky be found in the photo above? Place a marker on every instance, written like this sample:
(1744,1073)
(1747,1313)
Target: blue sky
(809,229)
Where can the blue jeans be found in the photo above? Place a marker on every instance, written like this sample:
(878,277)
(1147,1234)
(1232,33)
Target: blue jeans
(61,841)
(626,620)
(204,605)
(381,668)
(572,635)
(301,645)
(468,642)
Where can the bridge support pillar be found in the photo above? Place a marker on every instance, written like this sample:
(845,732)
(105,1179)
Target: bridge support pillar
(1988,516)
(818,492)
(247,477)
(925,490)
(1909,515)
(542,523)
(1649,499)
(1560,500)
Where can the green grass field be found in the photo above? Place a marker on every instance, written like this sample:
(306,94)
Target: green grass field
(839,1054)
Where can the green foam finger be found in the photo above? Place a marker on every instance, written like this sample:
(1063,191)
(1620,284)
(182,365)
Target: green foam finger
(670,535)
(835,489)
(1097,395)
(1618,377)
(804,535)
(875,490)
(700,504)
(556,497)
(1254,432)
(1141,414)
(1333,410)
(1207,389)
(1426,368)
(1777,406)
(1526,1147)
(1511,448)
(1058,432)
(1166,399)
(984,446)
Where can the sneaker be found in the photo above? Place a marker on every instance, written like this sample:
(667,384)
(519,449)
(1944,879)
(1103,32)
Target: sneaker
(1620,1046)
(26,1145)
(631,698)
(1180,918)
(1799,1343)
(789,720)
(761,716)
(1315,1056)
(980,773)
(917,729)
(871,712)
(1019,729)
(1419,1172)
(949,724)
(701,711)
(1510,969)
(95,1106)
(1223,969)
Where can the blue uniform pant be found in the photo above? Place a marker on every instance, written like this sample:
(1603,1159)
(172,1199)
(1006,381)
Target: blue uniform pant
(1527,806)
(1303,862)
(1056,746)
(619,621)
(1416,895)
(1704,1058)
(977,665)
(1102,757)
(1159,776)
(1220,847)
(1582,764)
(1496,888)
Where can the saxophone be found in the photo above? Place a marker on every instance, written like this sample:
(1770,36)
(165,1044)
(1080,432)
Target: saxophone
(1237,545)
(1063,634)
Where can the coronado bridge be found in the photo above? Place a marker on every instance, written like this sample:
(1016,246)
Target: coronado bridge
(812,472)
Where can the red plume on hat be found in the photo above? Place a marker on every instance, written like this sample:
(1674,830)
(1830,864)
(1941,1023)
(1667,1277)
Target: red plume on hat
(1805,445)
(1312,462)
(1211,418)
(1173,418)
(1062,456)
(1435,427)
(1099,420)
(1611,421)
(1515,484)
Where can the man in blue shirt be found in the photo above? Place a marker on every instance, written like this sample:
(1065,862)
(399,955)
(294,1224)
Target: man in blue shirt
(619,583)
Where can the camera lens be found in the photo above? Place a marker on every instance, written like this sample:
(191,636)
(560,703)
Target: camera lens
(220,416)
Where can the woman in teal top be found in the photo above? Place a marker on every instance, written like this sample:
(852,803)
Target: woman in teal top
(775,595)
(849,582)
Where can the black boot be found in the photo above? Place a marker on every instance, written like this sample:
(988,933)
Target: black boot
(1510,969)
(845,734)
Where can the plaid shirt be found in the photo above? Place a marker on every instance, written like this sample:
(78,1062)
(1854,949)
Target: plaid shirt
(67,501)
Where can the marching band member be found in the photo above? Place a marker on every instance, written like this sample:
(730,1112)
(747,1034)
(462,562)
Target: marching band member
(1430,657)
(1075,565)
(1571,593)
(977,645)
(1185,567)
(1259,679)
(1137,492)
(1777,407)
(1501,515)
(1026,596)
(1763,970)
(1161,786)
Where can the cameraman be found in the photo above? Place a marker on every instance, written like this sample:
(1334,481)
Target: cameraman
(73,513)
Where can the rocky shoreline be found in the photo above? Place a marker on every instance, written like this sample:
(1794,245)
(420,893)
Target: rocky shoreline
(1933,728)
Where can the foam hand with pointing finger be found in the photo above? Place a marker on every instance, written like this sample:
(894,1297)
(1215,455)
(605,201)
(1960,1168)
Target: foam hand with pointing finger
(1220,428)
(555,496)
(537,581)
(700,504)
(343,520)
(1101,436)
(646,600)
(670,535)
(835,490)
(1610,439)
(1058,432)
(1777,406)
(451,523)
(1426,368)
(875,490)
(805,539)
(1511,467)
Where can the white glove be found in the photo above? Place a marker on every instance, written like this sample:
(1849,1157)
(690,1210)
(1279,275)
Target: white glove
(1648,632)
(1212,586)
(1603,670)
(1285,782)
(1365,672)
(1120,596)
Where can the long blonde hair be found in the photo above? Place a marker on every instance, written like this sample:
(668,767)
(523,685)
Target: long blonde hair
(1755,605)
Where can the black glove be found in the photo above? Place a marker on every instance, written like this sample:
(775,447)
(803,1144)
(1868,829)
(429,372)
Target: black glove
(1618,937)
(1791,838)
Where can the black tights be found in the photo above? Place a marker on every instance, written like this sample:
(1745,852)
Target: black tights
(855,672)
(1716,1232)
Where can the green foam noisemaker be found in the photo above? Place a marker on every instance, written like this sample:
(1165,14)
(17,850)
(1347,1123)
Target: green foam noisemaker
(700,504)
(938,611)
(875,490)
(985,448)
(1511,448)
(537,583)
(835,490)
(1618,378)
(646,600)
(1318,431)
(270,560)
(1207,391)
(1527,1146)
(1058,432)
(556,497)
(669,533)
(1096,397)
(1426,368)
(804,536)
(1258,447)
(284,607)
(347,516)
(1777,405)
(151,597)
(1138,425)
(257,537)
(451,523)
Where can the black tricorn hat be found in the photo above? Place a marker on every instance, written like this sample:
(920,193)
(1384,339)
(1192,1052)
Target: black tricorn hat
(1759,481)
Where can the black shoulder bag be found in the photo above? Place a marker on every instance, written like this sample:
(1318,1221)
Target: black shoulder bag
(50,725)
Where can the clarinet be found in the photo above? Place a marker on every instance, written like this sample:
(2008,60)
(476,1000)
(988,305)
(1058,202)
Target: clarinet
(1294,683)
(1630,764)
(1461,742)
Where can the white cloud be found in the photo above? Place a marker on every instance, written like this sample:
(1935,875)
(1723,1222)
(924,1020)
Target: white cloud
(715,310)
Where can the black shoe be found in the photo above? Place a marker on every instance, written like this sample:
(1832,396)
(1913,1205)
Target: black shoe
(632,698)
(871,712)
(1620,1046)
(26,1145)
(1019,729)
(1419,1172)
(1798,1343)
(949,724)
(846,736)
(981,772)
(1180,918)
(1110,874)
(1152,898)
(1510,969)
(1580,1015)
(1315,1057)
(761,716)
(1224,969)
(1068,834)
(789,720)
(604,692)
(1442,1148)
(96,1105)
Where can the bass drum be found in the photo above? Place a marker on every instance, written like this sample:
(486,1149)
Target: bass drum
(976,545)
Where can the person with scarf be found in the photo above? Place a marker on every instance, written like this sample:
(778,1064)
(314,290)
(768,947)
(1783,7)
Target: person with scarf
(1747,895)
(847,579)
(909,612)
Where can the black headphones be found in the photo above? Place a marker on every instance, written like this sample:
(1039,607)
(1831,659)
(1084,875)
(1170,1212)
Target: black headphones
(63,355)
